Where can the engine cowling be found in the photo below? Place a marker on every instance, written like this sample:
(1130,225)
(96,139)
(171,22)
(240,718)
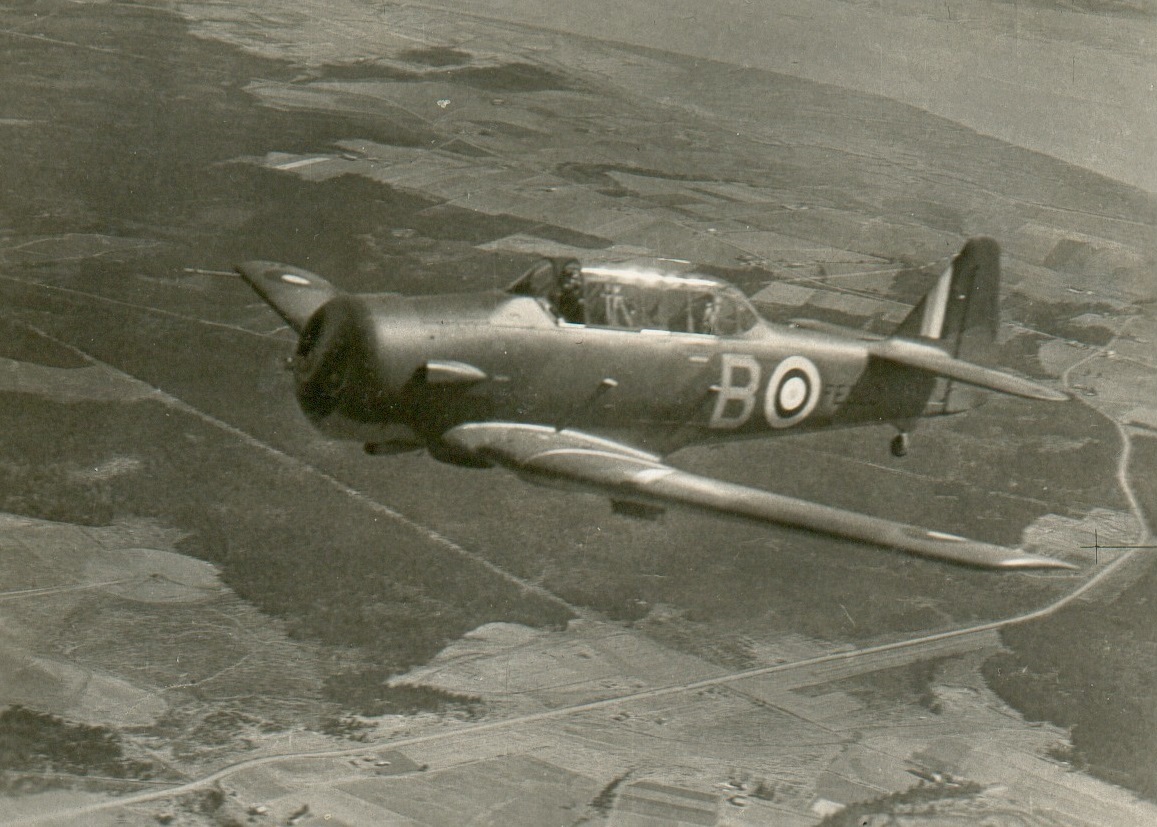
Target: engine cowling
(321,366)
(349,375)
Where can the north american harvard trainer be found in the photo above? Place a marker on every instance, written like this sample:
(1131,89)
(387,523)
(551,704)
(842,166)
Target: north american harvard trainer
(589,377)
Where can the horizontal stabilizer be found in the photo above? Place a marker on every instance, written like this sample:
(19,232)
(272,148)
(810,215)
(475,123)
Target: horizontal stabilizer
(295,294)
(934,360)
(627,475)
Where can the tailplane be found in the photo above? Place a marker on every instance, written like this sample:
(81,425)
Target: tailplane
(953,329)
(947,336)
(961,313)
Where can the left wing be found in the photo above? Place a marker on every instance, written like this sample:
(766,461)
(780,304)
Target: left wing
(295,294)
(634,476)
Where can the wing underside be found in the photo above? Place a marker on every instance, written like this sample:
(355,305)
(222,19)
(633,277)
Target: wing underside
(620,472)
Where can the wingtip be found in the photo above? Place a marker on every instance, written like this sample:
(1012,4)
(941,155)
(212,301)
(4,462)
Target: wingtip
(956,549)
(1034,561)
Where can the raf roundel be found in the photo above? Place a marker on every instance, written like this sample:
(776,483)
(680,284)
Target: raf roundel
(792,392)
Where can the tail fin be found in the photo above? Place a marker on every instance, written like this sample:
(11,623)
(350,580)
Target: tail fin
(962,312)
(953,328)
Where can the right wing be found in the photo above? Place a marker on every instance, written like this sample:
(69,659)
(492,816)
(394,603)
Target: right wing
(626,474)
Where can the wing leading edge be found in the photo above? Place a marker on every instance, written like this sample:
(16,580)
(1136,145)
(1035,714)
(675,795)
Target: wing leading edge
(619,471)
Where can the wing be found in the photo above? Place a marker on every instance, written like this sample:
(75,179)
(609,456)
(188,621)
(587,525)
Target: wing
(624,473)
(294,293)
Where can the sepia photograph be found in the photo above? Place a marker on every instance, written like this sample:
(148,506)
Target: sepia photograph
(638,413)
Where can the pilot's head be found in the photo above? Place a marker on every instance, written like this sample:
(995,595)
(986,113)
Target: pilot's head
(570,272)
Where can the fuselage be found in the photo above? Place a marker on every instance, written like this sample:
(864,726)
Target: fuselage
(388,368)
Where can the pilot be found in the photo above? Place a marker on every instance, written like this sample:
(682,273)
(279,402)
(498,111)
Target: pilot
(569,301)
(699,314)
(712,316)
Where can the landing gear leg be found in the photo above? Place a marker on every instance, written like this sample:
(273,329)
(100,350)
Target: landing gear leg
(900,444)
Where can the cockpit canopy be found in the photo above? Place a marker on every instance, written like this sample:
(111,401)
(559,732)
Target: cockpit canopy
(635,299)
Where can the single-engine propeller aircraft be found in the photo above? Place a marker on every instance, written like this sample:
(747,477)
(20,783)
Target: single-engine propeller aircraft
(587,377)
